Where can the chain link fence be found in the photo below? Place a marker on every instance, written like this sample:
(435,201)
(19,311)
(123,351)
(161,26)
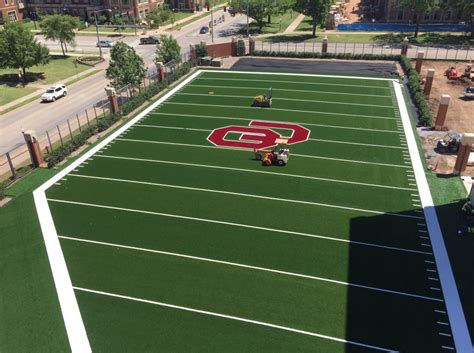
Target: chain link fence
(17,161)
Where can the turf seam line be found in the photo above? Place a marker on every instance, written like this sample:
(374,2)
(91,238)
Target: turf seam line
(243,195)
(274,230)
(224,316)
(258,268)
(284,110)
(291,90)
(295,122)
(247,171)
(284,99)
(461,335)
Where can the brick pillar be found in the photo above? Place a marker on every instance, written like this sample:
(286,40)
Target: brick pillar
(442,110)
(465,148)
(429,82)
(251,45)
(33,148)
(325,45)
(405,46)
(161,72)
(419,61)
(112,99)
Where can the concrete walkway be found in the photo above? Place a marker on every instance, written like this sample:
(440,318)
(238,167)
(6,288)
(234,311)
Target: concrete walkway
(291,28)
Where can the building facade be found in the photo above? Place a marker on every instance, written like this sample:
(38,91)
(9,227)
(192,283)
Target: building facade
(11,10)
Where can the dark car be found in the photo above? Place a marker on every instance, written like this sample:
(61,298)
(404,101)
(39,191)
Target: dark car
(150,40)
(204,30)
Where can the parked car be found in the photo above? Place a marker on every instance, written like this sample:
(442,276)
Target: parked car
(150,40)
(54,92)
(104,43)
(204,30)
(469,92)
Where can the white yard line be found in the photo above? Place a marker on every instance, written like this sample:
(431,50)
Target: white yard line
(311,139)
(456,316)
(239,225)
(295,122)
(74,325)
(213,191)
(235,318)
(293,90)
(251,267)
(263,172)
(285,99)
(284,110)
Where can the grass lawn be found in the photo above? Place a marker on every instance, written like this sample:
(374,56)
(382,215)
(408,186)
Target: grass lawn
(191,20)
(279,24)
(57,69)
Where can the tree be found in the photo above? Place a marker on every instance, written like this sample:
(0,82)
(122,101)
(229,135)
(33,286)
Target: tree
(167,50)
(316,9)
(160,15)
(420,9)
(257,9)
(118,22)
(125,67)
(61,28)
(20,48)
(466,7)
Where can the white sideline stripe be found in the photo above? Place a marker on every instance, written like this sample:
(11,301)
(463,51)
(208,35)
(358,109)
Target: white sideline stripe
(258,268)
(77,336)
(296,82)
(292,90)
(284,99)
(240,225)
(229,317)
(448,348)
(243,195)
(461,337)
(258,171)
(440,311)
(314,140)
(444,334)
(284,110)
(295,122)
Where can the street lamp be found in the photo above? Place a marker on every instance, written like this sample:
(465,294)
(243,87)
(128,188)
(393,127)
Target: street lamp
(97,32)
(212,21)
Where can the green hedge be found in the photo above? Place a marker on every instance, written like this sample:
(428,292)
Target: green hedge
(308,55)
(414,79)
(104,123)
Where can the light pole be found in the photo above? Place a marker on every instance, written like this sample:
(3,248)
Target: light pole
(248,9)
(97,32)
(212,22)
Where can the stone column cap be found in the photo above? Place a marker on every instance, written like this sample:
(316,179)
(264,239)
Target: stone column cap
(431,72)
(445,98)
(467,138)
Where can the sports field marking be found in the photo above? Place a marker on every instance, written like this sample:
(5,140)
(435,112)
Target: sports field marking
(461,336)
(292,90)
(314,140)
(284,99)
(299,123)
(205,220)
(211,313)
(257,268)
(299,83)
(284,110)
(246,195)
(285,174)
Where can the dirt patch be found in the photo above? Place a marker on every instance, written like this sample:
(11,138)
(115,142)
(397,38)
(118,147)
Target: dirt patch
(460,116)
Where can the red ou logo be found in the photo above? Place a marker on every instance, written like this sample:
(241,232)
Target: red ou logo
(257,135)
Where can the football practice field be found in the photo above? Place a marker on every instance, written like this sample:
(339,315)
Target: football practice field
(177,240)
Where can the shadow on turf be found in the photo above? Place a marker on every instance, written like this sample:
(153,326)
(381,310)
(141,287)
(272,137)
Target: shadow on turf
(416,333)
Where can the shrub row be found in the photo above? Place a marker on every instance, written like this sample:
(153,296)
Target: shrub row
(414,79)
(104,123)
(317,55)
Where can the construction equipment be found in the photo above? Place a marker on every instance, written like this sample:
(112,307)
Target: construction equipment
(279,155)
(469,72)
(263,101)
(449,144)
(451,73)
(469,92)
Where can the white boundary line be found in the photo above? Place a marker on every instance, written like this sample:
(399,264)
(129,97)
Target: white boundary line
(70,310)
(236,318)
(462,339)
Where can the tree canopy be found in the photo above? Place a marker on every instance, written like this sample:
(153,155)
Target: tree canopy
(420,8)
(167,50)
(316,9)
(61,28)
(466,7)
(21,49)
(125,67)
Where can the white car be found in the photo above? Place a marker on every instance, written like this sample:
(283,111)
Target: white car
(105,44)
(54,92)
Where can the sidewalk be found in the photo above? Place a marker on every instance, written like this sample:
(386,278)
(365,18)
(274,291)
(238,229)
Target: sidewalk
(291,28)
(42,87)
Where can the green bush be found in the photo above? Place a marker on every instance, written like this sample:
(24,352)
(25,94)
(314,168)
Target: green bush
(317,55)
(201,50)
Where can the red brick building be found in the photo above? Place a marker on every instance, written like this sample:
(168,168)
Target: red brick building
(11,10)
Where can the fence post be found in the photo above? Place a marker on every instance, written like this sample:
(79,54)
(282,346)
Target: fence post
(49,141)
(345,43)
(335,49)
(87,117)
(60,136)
(456,56)
(363,48)
(287,47)
(78,123)
(69,126)
(10,163)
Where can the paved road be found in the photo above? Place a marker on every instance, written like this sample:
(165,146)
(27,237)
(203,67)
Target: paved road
(41,117)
